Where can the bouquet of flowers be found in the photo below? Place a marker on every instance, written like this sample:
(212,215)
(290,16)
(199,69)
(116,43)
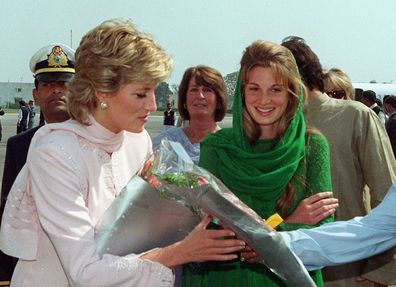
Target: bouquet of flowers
(178,178)
(141,219)
(195,192)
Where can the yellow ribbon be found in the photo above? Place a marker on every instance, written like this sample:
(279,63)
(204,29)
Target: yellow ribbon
(274,220)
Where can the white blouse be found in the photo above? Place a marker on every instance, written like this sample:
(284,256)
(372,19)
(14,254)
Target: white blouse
(72,175)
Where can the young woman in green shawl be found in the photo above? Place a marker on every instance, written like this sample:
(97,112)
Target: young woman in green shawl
(268,159)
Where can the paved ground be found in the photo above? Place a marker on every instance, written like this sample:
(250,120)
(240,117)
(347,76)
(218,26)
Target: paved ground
(8,122)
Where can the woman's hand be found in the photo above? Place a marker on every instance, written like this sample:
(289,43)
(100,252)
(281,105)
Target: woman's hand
(314,209)
(206,245)
(250,256)
(199,246)
(146,166)
(152,180)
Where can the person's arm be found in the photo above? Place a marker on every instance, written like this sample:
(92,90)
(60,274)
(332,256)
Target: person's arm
(314,206)
(346,241)
(376,158)
(378,167)
(10,172)
(66,219)
(392,134)
(198,247)
(20,114)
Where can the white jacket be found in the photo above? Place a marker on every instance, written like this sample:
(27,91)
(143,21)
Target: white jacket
(72,175)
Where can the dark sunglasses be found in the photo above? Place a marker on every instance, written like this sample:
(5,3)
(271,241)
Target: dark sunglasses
(337,94)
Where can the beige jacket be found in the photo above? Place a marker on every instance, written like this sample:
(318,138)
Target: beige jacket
(360,154)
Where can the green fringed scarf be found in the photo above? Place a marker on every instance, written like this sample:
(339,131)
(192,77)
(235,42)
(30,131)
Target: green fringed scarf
(257,173)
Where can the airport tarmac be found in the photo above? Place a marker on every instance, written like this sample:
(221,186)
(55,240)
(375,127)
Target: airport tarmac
(9,120)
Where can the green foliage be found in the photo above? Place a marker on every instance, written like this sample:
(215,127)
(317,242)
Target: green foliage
(231,81)
(162,95)
(180,179)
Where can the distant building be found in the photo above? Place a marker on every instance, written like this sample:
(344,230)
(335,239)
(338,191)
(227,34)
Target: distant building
(12,92)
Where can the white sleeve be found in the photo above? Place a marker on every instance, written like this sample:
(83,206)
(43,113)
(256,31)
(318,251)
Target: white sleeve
(19,116)
(59,198)
(346,241)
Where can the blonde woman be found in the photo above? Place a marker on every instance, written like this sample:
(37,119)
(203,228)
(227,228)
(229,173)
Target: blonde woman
(75,169)
(338,85)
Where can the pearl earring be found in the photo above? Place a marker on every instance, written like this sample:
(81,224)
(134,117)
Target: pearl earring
(103,105)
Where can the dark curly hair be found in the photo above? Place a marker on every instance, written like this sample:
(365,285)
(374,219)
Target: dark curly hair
(307,61)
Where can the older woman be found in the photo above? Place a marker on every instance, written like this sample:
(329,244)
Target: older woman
(338,85)
(75,170)
(203,102)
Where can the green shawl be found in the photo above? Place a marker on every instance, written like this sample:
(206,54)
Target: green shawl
(257,173)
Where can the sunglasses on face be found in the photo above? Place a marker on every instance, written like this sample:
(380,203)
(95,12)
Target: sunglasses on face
(337,94)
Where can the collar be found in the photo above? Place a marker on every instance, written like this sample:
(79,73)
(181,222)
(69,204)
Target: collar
(95,133)
(373,106)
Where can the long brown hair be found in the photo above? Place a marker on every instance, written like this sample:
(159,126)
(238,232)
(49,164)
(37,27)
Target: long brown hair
(280,60)
(285,201)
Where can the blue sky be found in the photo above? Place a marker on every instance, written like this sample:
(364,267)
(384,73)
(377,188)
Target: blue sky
(355,35)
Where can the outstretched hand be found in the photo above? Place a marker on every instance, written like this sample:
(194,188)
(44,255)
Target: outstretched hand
(199,246)
(210,245)
(314,209)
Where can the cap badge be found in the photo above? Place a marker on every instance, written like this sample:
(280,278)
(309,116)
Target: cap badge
(57,58)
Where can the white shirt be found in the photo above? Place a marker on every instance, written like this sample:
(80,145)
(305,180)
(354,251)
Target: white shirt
(68,182)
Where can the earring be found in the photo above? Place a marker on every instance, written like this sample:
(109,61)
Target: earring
(103,105)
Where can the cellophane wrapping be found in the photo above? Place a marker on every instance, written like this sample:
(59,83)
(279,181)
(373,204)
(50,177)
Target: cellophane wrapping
(194,187)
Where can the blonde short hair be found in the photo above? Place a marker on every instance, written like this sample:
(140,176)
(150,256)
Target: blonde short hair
(111,55)
(281,61)
(339,79)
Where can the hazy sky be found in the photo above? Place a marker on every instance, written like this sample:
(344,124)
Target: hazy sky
(358,36)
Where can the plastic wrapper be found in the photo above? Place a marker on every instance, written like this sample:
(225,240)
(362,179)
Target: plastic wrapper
(140,219)
(194,187)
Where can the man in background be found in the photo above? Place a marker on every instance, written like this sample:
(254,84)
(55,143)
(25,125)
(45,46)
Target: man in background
(32,114)
(390,125)
(369,98)
(169,116)
(360,154)
(23,116)
(1,129)
(51,72)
